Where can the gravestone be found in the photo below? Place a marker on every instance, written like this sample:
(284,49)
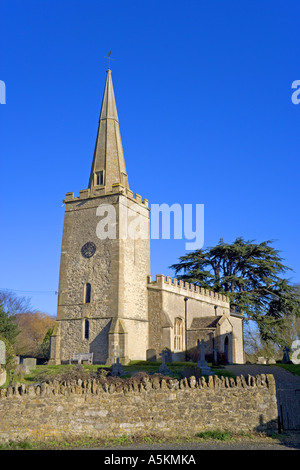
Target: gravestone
(2,376)
(20,369)
(168,355)
(261,360)
(163,368)
(16,360)
(116,369)
(2,353)
(202,364)
(29,363)
(2,363)
(151,355)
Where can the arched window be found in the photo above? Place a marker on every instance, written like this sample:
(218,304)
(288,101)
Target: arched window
(86,329)
(87,293)
(178,334)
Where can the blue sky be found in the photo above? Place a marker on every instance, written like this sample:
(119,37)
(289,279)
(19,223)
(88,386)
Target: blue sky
(203,91)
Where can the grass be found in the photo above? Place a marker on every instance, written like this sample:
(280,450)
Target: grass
(216,435)
(176,368)
(124,440)
(14,445)
(57,371)
(294,368)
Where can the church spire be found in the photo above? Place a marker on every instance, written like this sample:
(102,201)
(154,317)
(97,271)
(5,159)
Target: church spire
(108,166)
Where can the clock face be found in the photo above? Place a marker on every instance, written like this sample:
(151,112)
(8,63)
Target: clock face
(88,250)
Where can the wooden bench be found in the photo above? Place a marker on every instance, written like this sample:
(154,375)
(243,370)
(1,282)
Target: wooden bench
(79,357)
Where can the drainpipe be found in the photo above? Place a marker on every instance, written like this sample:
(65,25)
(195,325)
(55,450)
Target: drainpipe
(185,302)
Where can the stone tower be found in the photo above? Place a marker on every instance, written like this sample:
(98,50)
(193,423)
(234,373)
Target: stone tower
(105,258)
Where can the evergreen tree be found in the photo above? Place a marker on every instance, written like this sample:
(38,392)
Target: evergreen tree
(251,275)
(45,346)
(8,329)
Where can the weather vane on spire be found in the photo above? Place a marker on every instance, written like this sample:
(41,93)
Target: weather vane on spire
(109,59)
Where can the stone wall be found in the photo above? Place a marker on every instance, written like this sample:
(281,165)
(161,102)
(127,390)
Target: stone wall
(114,407)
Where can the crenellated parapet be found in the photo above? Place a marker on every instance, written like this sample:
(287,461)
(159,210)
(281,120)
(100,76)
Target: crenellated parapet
(185,288)
(101,191)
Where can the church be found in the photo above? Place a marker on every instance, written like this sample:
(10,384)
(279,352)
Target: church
(108,303)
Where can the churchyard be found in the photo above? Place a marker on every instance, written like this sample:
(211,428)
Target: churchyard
(28,372)
(178,370)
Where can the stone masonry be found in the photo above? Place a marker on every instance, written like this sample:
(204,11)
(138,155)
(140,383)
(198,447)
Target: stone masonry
(103,408)
(206,313)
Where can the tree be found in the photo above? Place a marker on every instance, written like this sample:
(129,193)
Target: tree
(255,346)
(9,355)
(45,346)
(13,304)
(8,329)
(23,326)
(10,306)
(251,275)
(33,327)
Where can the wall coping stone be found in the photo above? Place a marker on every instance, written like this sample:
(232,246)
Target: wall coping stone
(125,386)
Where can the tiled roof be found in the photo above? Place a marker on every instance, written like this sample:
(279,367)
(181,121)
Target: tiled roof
(205,322)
